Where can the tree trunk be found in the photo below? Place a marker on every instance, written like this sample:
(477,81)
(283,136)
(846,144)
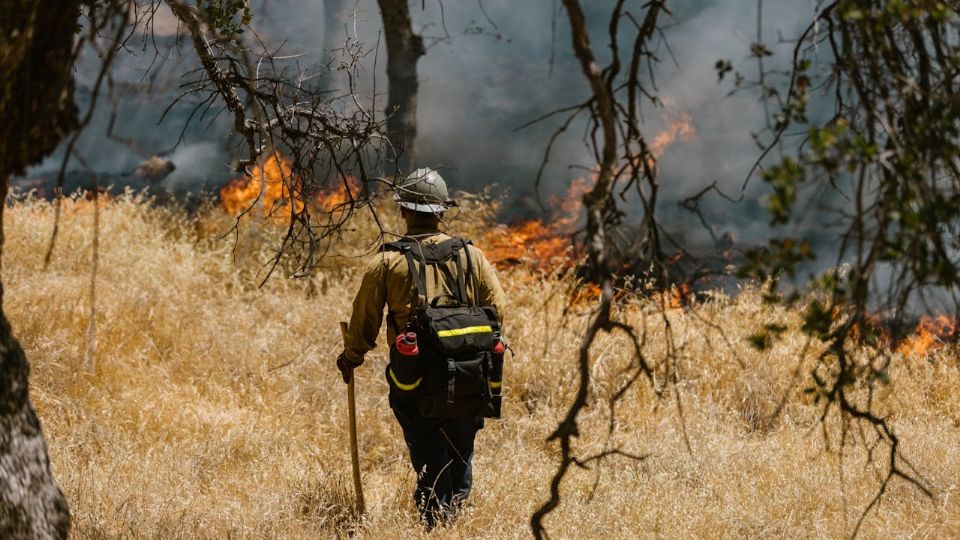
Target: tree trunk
(31,503)
(404,48)
(36,105)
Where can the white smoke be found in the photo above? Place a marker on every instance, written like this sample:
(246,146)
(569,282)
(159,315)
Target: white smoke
(486,72)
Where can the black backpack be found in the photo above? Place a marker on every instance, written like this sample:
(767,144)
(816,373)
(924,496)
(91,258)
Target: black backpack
(457,372)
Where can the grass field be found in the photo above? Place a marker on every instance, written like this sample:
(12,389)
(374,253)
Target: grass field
(212,408)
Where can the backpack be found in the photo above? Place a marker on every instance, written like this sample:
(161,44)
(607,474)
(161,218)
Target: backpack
(457,372)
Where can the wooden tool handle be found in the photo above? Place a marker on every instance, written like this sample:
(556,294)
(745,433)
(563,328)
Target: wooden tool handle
(354,450)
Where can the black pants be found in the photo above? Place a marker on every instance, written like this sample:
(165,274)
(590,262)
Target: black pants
(441,451)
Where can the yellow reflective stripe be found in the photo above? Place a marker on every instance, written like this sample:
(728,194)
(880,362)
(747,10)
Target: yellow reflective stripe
(495,384)
(400,385)
(462,331)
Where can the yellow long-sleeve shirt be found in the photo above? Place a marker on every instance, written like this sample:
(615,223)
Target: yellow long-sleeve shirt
(387,282)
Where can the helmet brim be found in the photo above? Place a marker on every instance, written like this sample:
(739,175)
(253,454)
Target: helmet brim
(425,208)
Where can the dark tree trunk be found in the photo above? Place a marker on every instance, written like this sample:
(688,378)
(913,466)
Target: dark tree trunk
(404,48)
(36,105)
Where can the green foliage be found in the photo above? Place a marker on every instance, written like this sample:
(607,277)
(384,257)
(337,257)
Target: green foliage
(227,17)
(759,50)
(723,67)
(893,143)
(882,153)
(784,178)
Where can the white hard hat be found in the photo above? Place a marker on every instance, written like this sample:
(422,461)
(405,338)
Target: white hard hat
(423,190)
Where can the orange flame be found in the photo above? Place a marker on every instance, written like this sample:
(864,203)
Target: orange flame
(546,244)
(931,334)
(273,180)
(543,245)
(585,294)
(277,179)
(680,127)
(677,296)
(531,241)
(336,199)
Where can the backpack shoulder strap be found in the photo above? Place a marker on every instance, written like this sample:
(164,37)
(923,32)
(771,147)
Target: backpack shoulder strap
(397,245)
(406,247)
(471,278)
(437,255)
(462,276)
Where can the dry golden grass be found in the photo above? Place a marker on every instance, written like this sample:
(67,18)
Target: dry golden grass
(215,410)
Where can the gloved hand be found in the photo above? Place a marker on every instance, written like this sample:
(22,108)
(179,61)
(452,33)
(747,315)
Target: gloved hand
(346,367)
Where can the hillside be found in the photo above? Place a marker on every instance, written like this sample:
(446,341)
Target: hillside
(213,408)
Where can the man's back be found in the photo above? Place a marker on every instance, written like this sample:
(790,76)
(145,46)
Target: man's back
(387,282)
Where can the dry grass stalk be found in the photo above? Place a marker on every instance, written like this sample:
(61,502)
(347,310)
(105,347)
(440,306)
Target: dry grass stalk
(216,411)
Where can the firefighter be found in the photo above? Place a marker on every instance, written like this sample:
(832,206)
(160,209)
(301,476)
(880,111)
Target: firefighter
(441,449)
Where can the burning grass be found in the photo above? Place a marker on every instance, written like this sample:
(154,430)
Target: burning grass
(273,192)
(542,244)
(215,410)
(932,333)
